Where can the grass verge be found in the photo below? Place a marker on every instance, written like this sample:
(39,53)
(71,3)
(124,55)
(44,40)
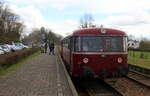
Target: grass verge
(139,58)
(139,54)
(4,71)
(145,63)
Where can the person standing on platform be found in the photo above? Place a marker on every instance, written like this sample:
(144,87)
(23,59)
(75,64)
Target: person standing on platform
(45,47)
(52,48)
(49,45)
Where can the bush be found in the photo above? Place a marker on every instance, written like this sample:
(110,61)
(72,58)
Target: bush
(133,54)
(146,56)
(132,49)
(142,55)
(14,57)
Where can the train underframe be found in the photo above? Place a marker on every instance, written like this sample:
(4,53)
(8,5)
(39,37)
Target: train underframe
(104,73)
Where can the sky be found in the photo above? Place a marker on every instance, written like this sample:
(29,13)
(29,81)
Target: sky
(63,16)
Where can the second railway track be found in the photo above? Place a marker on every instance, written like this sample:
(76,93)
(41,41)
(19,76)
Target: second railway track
(139,78)
(128,87)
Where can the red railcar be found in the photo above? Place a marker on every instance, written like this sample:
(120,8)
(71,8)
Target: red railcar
(96,52)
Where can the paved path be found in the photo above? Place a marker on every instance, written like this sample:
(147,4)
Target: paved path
(41,76)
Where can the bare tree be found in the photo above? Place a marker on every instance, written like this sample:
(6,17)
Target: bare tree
(87,21)
(10,28)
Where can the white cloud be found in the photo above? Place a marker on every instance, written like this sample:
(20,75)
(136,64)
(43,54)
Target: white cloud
(136,24)
(59,4)
(138,31)
(133,15)
(129,19)
(30,16)
(98,6)
(64,28)
(118,6)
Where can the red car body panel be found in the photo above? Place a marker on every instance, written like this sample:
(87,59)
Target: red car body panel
(98,63)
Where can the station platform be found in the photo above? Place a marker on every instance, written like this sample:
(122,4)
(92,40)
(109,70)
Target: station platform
(44,75)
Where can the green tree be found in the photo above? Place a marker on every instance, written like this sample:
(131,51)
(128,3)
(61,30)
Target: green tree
(36,37)
(144,44)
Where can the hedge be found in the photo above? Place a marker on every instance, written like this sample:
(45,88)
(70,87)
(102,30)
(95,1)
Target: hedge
(14,57)
(131,49)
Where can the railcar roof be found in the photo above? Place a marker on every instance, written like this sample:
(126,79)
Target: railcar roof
(97,31)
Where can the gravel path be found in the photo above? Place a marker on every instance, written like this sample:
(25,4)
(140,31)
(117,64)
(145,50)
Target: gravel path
(36,78)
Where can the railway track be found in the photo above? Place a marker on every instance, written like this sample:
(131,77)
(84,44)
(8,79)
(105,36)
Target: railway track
(135,84)
(140,78)
(129,87)
(96,88)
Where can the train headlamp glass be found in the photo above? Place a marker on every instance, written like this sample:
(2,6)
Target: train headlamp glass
(85,60)
(119,60)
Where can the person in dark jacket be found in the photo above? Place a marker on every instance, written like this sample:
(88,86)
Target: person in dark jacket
(52,48)
(45,47)
(49,44)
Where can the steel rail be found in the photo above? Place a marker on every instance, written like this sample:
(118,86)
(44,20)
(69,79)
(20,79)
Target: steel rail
(139,73)
(141,78)
(111,83)
(100,88)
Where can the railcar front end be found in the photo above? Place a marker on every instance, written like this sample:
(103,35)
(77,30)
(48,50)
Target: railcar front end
(100,56)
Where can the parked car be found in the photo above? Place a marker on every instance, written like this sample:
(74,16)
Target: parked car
(21,46)
(16,47)
(6,48)
(11,47)
(1,48)
(1,51)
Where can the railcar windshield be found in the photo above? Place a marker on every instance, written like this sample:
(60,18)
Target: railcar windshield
(100,44)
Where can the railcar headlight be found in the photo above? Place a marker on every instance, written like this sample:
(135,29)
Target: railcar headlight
(119,60)
(85,60)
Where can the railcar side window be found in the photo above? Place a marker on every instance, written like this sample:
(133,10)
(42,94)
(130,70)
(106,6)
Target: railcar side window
(77,44)
(69,43)
(65,43)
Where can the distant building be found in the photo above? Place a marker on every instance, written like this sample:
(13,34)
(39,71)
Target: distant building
(133,44)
